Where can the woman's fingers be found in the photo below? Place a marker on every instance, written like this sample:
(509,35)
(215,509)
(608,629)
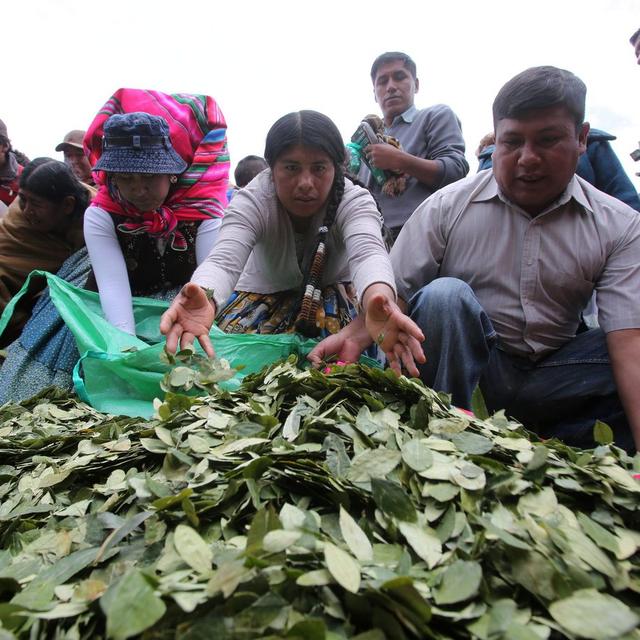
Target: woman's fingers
(168,319)
(189,316)
(205,343)
(173,334)
(411,328)
(320,352)
(409,363)
(413,346)
(186,339)
(405,353)
(393,358)
(416,350)
(405,324)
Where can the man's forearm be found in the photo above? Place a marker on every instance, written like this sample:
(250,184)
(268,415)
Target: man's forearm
(428,172)
(386,156)
(624,354)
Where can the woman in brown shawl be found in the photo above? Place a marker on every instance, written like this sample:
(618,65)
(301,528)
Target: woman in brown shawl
(42,228)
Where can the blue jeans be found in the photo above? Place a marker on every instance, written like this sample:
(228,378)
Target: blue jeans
(560,395)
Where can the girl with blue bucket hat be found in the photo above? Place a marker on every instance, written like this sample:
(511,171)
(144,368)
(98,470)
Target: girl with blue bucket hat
(161,196)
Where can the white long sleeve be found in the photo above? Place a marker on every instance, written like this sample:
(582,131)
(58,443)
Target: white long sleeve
(111,271)
(206,238)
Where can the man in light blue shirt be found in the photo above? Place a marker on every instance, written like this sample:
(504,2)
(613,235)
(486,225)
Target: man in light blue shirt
(432,153)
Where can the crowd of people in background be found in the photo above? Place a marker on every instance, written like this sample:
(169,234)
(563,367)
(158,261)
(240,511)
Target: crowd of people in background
(522,279)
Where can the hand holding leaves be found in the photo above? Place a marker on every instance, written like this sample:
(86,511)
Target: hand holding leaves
(385,156)
(347,345)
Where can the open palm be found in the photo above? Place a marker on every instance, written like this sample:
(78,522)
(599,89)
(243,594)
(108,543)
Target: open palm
(190,316)
(395,333)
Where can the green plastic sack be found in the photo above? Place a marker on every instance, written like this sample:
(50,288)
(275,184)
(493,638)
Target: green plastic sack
(120,373)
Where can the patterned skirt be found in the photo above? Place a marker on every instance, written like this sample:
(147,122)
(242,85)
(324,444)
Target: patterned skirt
(247,312)
(45,353)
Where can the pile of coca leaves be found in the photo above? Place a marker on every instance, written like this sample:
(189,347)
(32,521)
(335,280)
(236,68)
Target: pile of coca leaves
(352,504)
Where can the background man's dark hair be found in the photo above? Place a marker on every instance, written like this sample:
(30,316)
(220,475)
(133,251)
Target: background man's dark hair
(247,169)
(540,88)
(634,38)
(392,56)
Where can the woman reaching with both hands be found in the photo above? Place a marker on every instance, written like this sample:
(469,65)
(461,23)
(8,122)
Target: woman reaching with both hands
(292,245)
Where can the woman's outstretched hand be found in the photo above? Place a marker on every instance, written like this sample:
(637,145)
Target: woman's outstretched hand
(346,346)
(384,323)
(190,316)
(395,333)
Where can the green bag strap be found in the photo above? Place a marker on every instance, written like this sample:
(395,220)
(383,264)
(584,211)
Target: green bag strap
(78,380)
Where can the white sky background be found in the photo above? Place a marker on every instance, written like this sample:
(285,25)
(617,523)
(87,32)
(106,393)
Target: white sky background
(261,59)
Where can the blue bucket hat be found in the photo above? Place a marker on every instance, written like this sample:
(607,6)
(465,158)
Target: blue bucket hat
(138,143)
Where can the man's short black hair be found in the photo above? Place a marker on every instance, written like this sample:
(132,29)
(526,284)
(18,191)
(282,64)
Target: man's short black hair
(540,88)
(633,39)
(392,56)
(247,169)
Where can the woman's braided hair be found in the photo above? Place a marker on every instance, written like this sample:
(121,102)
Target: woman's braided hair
(312,129)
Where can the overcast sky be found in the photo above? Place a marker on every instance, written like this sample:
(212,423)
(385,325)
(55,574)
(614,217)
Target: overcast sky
(261,59)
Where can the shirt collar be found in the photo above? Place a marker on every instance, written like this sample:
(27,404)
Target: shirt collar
(407,116)
(574,190)
(490,190)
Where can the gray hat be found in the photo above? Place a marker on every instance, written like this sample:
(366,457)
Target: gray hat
(138,143)
(73,139)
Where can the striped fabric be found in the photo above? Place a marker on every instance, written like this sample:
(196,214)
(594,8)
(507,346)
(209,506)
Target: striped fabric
(198,134)
(246,312)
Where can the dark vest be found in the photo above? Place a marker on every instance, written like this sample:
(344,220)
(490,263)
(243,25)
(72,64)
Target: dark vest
(151,271)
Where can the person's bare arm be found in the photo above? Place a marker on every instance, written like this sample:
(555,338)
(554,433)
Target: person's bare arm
(624,354)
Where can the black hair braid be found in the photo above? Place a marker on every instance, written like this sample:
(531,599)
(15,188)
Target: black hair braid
(306,321)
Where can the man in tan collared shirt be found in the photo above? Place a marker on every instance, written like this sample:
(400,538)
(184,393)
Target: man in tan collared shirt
(497,268)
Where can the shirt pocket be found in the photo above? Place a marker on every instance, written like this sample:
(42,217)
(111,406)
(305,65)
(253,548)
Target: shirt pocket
(568,290)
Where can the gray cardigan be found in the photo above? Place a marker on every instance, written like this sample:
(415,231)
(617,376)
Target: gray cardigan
(256,251)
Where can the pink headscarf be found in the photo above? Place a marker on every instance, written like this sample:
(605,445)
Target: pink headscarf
(197,130)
